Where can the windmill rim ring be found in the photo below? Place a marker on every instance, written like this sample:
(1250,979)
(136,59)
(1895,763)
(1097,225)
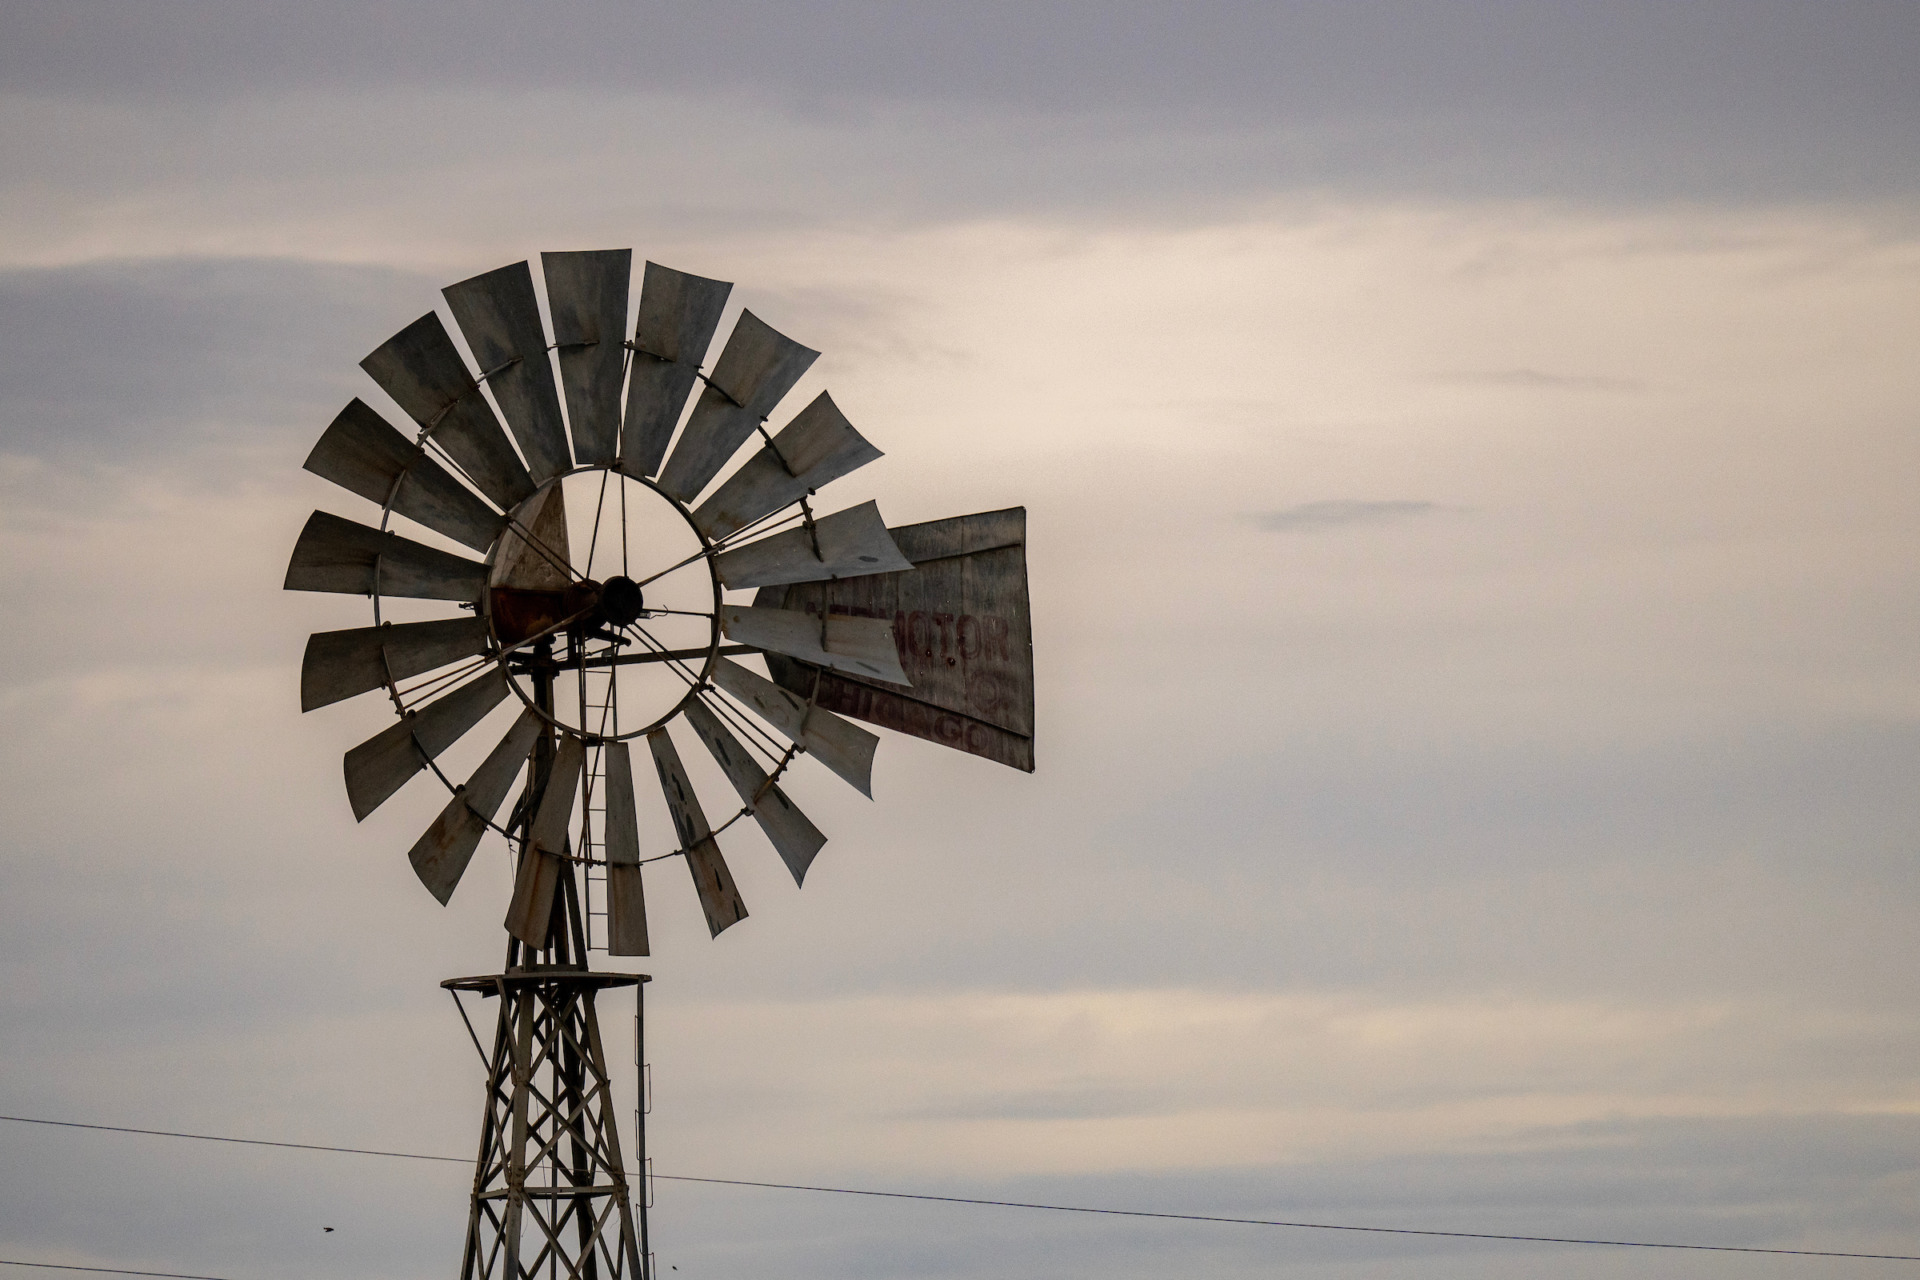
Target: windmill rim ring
(496,653)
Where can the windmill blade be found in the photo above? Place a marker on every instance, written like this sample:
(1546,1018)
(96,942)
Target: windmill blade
(587,296)
(965,631)
(719,899)
(678,314)
(362,453)
(500,319)
(758,366)
(844,748)
(794,838)
(341,664)
(861,646)
(339,555)
(530,914)
(423,372)
(441,854)
(846,544)
(383,763)
(626,897)
(817,447)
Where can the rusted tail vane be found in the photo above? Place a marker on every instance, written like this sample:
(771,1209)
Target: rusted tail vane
(385,762)
(339,555)
(441,854)
(362,453)
(499,317)
(531,912)
(678,314)
(859,646)
(423,372)
(963,626)
(719,899)
(816,448)
(846,544)
(626,898)
(758,366)
(587,297)
(794,838)
(844,748)
(343,664)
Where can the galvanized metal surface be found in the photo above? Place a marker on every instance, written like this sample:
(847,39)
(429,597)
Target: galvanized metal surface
(816,448)
(533,554)
(550,1194)
(678,314)
(846,544)
(341,664)
(383,763)
(844,748)
(423,372)
(712,881)
(626,897)
(499,316)
(339,555)
(794,838)
(587,297)
(530,914)
(363,453)
(963,628)
(758,366)
(441,854)
(860,646)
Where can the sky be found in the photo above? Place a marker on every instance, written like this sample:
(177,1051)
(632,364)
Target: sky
(1468,450)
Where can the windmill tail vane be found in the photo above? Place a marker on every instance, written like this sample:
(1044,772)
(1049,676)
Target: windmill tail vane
(584,467)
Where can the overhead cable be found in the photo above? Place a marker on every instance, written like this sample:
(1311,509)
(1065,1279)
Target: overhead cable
(1219,1219)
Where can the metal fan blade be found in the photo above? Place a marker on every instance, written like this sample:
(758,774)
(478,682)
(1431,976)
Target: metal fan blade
(530,914)
(626,897)
(846,544)
(817,447)
(863,646)
(965,635)
(757,367)
(383,763)
(794,838)
(341,664)
(363,454)
(500,319)
(719,899)
(678,314)
(423,372)
(587,297)
(844,748)
(533,554)
(340,555)
(441,854)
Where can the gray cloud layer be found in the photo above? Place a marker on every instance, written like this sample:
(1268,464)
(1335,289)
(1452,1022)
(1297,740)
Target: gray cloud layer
(1615,101)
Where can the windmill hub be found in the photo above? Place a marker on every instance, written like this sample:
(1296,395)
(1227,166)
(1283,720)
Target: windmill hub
(621,602)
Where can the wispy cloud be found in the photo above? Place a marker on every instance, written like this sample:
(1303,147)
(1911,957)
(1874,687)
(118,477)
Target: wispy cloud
(1332,512)
(1537,378)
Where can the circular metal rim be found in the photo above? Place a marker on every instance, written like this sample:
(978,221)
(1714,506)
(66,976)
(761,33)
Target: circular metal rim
(495,650)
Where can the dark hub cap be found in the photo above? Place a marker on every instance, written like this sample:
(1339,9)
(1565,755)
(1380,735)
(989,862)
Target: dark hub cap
(620,601)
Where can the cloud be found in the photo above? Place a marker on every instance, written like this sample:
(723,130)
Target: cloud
(1537,379)
(138,359)
(1335,512)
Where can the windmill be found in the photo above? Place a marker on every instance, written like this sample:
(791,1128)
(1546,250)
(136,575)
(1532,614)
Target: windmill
(584,655)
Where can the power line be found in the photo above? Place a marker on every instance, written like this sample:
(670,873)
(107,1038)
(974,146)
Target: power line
(1003,1204)
(112,1271)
